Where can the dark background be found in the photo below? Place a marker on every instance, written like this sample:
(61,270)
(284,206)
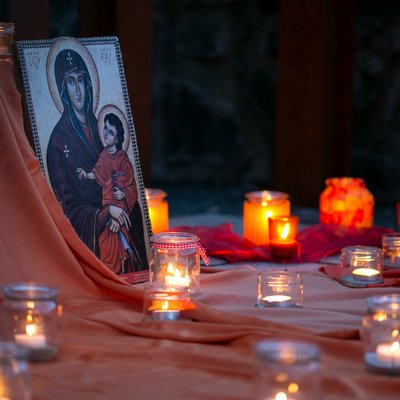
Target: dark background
(214,90)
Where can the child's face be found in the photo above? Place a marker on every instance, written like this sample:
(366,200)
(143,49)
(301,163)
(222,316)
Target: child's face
(110,134)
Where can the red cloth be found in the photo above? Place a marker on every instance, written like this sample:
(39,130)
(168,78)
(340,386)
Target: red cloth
(316,242)
(391,277)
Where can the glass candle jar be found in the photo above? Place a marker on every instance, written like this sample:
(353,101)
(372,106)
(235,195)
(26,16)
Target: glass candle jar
(158,209)
(391,250)
(257,209)
(360,266)
(7,30)
(282,238)
(30,319)
(165,304)
(346,202)
(14,375)
(176,260)
(381,334)
(279,289)
(287,371)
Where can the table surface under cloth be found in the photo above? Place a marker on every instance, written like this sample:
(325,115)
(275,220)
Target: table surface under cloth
(108,352)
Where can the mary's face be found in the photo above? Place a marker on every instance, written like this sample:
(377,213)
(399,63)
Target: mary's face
(75,83)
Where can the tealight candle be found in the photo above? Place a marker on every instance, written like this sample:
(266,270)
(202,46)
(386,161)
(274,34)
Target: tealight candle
(158,209)
(166,314)
(391,250)
(360,265)
(277,300)
(282,233)
(257,209)
(388,353)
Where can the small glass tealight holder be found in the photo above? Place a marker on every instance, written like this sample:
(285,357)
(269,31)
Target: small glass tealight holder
(176,260)
(287,370)
(14,373)
(158,209)
(391,250)
(30,319)
(282,238)
(7,30)
(165,303)
(360,266)
(279,289)
(381,334)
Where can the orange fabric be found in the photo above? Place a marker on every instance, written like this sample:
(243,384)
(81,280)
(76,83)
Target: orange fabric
(108,352)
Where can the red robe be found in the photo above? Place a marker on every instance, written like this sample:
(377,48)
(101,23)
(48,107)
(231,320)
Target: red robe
(113,170)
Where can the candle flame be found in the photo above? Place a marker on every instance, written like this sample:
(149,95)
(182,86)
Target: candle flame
(267,214)
(365,272)
(281,396)
(31,329)
(165,305)
(171,269)
(285,231)
(395,333)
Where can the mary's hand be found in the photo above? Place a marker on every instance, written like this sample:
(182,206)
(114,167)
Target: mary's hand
(114,225)
(120,215)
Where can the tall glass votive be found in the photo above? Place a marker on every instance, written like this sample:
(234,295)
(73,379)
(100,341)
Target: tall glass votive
(391,250)
(279,289)
(14,374)
(381,334)
(360,266)
(158,209)
(257,208)
(166,304)
(30,319)
(282,238)
(7,30)
(176,260)
(287,370)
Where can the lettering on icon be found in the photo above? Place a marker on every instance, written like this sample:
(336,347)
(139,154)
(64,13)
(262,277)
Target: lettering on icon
(33,58)
(105,55)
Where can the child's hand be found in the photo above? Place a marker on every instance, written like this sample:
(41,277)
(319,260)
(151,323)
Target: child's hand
(81,173)
(118,194)
(114,225)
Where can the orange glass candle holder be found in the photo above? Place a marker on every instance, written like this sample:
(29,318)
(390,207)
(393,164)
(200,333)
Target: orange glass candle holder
(257,209)
(282,238)
(346,202)
(158,209)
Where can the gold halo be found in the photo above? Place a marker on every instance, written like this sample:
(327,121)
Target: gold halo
(73,44)
(111,108)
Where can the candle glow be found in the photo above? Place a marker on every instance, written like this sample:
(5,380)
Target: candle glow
(174,277)
(368,272)
(158,210)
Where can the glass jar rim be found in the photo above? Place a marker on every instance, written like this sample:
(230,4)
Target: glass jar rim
(290,352)
(265,195)
(361,250)
(279,275)
(388,302)
(30,291)
(155,194)
(344,181)
(175,238)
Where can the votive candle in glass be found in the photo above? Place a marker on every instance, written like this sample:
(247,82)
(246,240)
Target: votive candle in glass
(257,209)
(282,238)
(175,260)
(381,334)
(391,250)
(360,266)
(166,303)
(279,289)
(158,209)
(30,319)
(287,370)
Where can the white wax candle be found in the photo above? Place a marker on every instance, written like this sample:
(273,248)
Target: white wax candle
(277,300)
(166,315)
(365,272)
(388,353)
(31,341)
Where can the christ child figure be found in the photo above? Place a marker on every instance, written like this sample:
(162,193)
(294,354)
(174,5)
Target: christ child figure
(114,173)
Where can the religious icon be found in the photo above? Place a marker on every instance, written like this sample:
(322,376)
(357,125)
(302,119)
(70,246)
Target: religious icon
(84,137)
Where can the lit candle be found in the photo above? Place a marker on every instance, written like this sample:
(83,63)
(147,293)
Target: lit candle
(258,208)
(282,231)
(366,274)
(31,339)
(389,354)
(165,314)
(158,210)
(277,300)
(174,277)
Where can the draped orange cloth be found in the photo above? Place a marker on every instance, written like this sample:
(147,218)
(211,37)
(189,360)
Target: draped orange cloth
(108,352)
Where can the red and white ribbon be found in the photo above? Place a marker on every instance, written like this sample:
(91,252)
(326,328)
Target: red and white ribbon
(184,246)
